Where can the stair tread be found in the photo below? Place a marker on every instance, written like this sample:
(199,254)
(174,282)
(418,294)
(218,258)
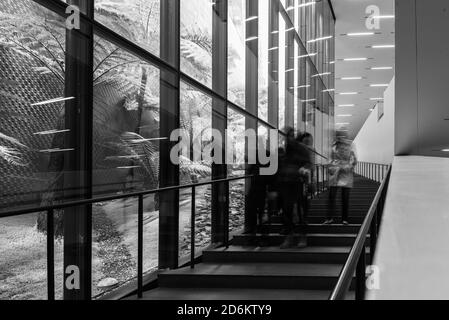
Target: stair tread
(272,249)
(259,269)
(233,294)
(317,235)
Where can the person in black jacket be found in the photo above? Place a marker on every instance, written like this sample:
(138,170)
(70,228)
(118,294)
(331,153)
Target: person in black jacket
(297,156)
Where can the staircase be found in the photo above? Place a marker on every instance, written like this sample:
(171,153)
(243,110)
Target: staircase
(245,271)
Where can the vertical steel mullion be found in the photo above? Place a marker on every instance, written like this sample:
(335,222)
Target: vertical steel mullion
(77,178)
(140,248)
(273,84)
(169,121)
(220,194)
(289,76)
(192,229)
(251,95)
(50,256)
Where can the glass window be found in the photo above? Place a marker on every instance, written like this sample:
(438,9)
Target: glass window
(196,39)
(282,71)
(135,20)
(236,51)
(264,33)
(125,159)
(237,189)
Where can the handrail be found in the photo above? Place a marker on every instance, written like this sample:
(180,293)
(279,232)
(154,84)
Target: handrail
(356,259)
(115,197)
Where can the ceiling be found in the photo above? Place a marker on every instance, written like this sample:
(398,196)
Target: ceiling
(351,17)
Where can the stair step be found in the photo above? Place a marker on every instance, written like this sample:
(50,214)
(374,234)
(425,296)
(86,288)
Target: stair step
(316,228)
(319,218)
(247,254)
(326,240)
(186,294)
(254,275)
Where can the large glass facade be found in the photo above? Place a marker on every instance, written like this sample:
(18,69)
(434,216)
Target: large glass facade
(87,113)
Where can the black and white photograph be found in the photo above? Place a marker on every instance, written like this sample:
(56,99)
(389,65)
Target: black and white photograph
(224,158)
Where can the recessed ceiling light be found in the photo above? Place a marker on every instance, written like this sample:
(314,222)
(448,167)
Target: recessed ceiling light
(343,123)
(329,90)
(309,100)
(445,150)
(290,8)
(348,93)
(344,115)
(376,99)
(376,85)
(321,74)
(251,18)
(381,68)
(251,39)
(320,39)
(351,78)
(358,34)
(332,62)
(307,55)
(355,59)
(383,17)
(300,87)
(383,46)
(346,105)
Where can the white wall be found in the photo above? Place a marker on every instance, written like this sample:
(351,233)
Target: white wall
(375,141)
(422,68)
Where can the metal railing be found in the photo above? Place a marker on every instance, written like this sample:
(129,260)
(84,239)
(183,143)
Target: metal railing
(357,257)
(373,171)
(50,210)
(320,179)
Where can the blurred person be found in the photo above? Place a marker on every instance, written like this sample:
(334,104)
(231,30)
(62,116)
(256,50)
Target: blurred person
(341,171)
(260,186)
(289,181)
(306,173)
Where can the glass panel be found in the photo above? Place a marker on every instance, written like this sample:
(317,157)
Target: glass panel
(236,51)
(32,74)
(263,58)
(282,70)
(32,41)
(125,159)
(203,223)
(23,252)
(126,121)
(196,120)
(237,189)
(135,20)
(196,39)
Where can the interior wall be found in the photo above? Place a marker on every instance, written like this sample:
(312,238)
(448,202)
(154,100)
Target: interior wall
(374,142)
(422,68)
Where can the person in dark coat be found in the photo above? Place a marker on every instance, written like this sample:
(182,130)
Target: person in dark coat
(296,157)
(306,173)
